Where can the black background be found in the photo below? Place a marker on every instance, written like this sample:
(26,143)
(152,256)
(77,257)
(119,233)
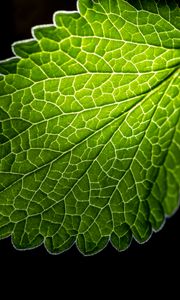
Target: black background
(163,249)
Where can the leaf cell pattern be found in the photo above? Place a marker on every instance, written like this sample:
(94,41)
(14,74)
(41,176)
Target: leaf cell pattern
(90,127)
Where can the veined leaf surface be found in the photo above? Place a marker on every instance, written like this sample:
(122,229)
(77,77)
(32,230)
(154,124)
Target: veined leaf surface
(90,127)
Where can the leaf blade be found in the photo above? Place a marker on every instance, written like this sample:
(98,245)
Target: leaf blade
(90,128)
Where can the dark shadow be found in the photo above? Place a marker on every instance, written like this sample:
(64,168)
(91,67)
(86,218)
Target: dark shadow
(18,16)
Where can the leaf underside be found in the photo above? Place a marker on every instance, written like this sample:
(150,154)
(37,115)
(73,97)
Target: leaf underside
(90,127)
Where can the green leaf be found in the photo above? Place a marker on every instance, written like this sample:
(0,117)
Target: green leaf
(90,127)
